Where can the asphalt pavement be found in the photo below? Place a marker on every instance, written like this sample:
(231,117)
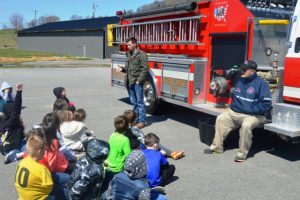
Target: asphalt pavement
(272,170)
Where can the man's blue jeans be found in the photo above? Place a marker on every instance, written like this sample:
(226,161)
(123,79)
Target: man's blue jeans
(136,95)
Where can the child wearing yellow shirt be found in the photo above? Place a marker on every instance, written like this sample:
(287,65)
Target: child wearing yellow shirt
(33,180)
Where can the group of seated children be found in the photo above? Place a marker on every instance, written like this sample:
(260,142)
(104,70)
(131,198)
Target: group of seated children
(61,159)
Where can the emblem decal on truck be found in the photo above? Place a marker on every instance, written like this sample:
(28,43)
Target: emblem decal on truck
(220,13)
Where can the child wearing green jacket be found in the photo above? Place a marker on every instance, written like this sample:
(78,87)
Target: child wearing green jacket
(119,149)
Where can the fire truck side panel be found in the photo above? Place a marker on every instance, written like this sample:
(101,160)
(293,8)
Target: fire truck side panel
(291,90)
(191,51)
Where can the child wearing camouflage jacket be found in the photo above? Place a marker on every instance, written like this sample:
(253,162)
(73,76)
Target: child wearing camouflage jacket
(87,177)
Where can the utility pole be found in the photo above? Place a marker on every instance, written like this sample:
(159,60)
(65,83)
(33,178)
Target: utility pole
(35,22)
(94,9)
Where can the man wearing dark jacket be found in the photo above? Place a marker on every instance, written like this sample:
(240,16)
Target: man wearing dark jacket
(251,100)
(136,69)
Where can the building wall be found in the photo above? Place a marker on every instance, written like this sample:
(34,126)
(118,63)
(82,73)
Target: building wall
(68,43)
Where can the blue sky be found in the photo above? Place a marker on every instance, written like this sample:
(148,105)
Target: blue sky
(64,8)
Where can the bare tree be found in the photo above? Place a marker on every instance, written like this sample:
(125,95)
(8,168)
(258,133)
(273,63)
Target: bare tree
(32,23)
(16,21)
(48,18)
(76,17)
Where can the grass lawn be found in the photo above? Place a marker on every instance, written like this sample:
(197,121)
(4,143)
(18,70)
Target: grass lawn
(17,56)
(8,38)
(17,53)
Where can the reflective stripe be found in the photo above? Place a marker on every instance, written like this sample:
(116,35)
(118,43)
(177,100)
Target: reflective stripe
(291,92)
(267,99)
(246,99)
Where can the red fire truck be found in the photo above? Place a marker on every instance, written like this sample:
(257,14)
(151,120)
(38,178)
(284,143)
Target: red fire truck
(194,50)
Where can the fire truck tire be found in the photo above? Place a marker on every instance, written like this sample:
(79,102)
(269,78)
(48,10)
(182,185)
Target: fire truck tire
(150,96)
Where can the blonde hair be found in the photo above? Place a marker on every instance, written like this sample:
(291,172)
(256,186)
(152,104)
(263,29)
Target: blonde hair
(64,116)
(36,131)
(34,144)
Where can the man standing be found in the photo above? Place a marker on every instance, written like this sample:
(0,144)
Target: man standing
(136,69)
(251,100)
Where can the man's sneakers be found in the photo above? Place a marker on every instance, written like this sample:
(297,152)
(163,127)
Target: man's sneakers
(211,151)
(177,155)
(240,158)
(11,157)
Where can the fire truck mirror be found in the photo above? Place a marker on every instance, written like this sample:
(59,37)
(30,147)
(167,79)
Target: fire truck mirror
(297,45)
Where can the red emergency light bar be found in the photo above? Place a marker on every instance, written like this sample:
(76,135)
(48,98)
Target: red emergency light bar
(119,13)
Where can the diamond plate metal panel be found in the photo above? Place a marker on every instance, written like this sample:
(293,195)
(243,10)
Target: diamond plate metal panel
(286,119)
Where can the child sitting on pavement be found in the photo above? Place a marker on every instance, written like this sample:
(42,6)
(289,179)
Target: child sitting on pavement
(119,149)
(61,93)
(131,183)
(11,127)
(80,116)
(88,175)
(138,133)
(64,149)
(74,133)
(33,180)
(158,169)
(16,155)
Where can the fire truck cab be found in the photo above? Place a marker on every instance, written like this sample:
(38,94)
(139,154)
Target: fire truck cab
(194,51)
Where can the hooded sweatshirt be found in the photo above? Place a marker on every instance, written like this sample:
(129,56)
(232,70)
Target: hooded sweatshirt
(131,183)
(7,97)
(87,177)
(74,134)
(58,93)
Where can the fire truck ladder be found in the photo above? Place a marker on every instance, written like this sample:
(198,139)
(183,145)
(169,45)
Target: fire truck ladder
(170,31)
(272,8)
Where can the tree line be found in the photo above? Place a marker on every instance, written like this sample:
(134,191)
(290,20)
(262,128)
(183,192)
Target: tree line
(17,20)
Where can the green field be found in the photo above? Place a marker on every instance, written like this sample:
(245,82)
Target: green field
(17,53)
(8,38)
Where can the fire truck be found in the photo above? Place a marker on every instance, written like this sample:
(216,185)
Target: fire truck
(194,51)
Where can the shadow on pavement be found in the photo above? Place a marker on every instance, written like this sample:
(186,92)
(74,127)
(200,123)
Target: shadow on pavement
(262,140)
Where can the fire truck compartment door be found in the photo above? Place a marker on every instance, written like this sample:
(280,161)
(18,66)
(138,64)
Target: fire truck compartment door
(175,81)
(117,78)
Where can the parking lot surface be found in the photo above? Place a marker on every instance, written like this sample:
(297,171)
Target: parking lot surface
(272,170)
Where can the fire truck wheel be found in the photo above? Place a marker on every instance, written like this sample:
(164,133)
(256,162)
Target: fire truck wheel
(150,96)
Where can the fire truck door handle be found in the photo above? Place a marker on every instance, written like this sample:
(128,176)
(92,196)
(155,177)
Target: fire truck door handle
(293,19)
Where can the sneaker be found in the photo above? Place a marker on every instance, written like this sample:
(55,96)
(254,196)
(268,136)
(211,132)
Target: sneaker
(240,158)
(11,157)
(159,189)
(177,155)
(210,151)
